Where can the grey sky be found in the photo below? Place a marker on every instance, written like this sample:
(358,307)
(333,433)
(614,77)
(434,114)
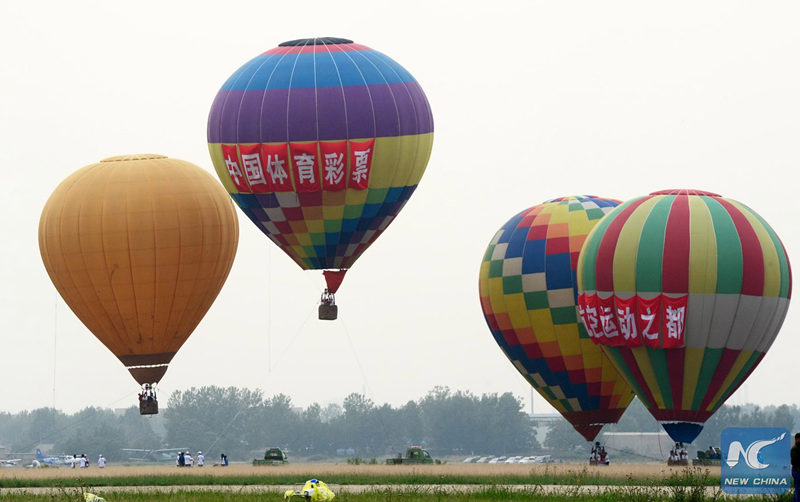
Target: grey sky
(531,100)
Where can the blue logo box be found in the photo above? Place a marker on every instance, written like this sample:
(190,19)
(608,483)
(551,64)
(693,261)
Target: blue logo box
(755,460)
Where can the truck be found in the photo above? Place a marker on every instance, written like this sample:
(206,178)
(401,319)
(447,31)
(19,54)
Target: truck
(273,456)
(712,456)
(414,455)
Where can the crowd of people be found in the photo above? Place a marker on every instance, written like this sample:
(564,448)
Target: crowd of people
(185,459)
(678,453)
(83,461)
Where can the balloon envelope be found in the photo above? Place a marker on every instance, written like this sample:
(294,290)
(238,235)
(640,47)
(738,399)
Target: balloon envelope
(723,282)
(321,142)
(528,294)
(139,247)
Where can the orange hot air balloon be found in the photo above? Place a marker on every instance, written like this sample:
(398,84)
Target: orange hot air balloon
(139,246)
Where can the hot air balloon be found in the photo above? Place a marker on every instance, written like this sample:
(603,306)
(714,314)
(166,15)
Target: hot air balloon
(321,142)
(528,294)
(139,246)
(685,291)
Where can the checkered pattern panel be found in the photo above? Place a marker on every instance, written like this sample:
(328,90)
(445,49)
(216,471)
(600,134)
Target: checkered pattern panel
(323,230)
(528,289)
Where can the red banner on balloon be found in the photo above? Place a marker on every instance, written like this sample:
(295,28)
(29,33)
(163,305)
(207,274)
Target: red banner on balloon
(673,316)
(626,320)
(608,321)
(587,308)
(230,155)
(253,168)
(305,167)
(334,165)
(648,313)
(276,166)
(361,153)
(658,322)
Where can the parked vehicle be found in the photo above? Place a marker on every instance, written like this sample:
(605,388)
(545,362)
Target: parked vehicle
(273,456)
(414,455)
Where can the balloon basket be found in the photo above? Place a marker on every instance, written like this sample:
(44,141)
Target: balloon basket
(148,407)
(328,312)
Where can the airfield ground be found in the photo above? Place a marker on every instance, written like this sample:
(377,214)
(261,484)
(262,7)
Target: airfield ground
(451,482)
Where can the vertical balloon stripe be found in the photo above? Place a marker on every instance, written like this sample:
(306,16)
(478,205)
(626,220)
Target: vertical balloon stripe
(726,362)
(675,369)
(587,258)
(651,247)
(747,369)
(703,249)
(729,248)
(658,360)
(753,273)
(675,263)
(783,258)
(604,269)
(692,364)
(711,359)
(627,248)
(772,268)
(737,368)
(644,362)
(625,362)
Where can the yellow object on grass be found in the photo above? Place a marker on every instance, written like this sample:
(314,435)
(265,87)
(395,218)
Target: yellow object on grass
(314,489)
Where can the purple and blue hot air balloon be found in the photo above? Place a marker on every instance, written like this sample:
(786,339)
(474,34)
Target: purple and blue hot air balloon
(321,142)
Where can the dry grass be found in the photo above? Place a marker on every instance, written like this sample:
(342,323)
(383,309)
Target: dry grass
(615,471)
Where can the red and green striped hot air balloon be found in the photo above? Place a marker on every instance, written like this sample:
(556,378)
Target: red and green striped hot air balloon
(321,142)
(685,291)
(528,294)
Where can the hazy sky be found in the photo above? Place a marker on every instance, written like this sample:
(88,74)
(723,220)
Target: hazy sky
(531,100)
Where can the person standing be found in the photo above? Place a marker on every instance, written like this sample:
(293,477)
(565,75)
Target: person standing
(200,459)
(795,453)
(101,461)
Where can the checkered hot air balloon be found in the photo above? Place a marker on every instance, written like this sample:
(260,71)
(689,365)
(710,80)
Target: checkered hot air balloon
(321,142)
(528,293)
(685,291)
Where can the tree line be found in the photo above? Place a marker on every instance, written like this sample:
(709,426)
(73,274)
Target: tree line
(243,422)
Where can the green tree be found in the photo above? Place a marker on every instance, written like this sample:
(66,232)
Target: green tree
(213,419)
(94,431)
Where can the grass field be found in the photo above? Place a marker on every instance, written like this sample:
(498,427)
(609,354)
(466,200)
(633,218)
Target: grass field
(446,482)
(566,473)
(410,494)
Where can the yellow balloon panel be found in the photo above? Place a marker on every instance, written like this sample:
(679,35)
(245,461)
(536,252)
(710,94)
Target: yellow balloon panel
(139,247)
